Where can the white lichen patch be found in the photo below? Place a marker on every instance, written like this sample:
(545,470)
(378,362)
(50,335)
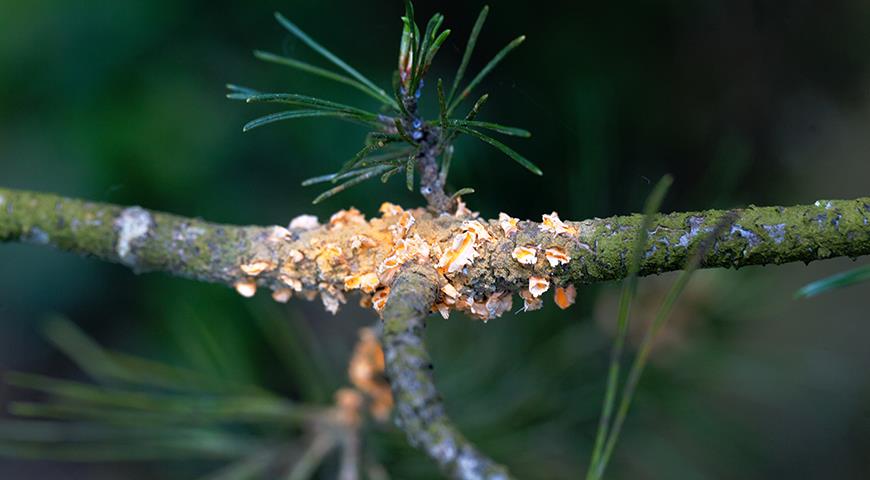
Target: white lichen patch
(538,285)
(304,222)
(246,288)
(557,256)
(132,224)
(565,296)
(527,255)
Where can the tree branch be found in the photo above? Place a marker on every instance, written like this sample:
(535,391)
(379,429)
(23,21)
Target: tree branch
(419,406)
(598,248)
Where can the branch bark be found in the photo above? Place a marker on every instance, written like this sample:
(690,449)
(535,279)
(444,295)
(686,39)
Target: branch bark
(145,240)
(419,407)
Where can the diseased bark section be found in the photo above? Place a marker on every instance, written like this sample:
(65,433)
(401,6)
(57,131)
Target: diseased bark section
(322,258)
(419,407)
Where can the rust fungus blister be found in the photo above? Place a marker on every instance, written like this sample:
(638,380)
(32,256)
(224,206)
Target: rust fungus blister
(565,296)
(462,209)
(293,283)
(527,255)
(389,209)
(538,285)
(530,302)
(246,288)
(557,256)
(367,282)
(379,299)
(282,295)
(304,222)
(344,218)
(403,226)
(552,224)
(460,254)
(361,242)
(508,223)
(478,229)
(256,267)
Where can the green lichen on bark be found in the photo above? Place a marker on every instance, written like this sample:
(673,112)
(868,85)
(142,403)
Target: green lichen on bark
(419,407)
(140,239)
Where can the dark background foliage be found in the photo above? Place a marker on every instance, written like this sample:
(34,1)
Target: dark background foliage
(743,101)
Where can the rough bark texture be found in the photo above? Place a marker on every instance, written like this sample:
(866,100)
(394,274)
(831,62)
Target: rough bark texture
(419,407)
(151,241)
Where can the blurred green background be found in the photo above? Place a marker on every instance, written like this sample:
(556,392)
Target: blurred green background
(744,101)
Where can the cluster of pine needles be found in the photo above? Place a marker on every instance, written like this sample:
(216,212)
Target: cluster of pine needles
(400,137)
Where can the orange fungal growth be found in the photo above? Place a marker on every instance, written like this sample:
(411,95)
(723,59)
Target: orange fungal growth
(460,253)
(379,299)
(462,209)
(367,282)
(295,255)
(246,288)
(507,223)
(360,242)
(257,267)
(389,210)
(526,255)
(530,302)
(564,297)
(331,298)
(304,222)
(343,218)
(366,373)
(348,403)
(280,234)
(329,255)
(498,303)
(282,295)
(293,283)
(557,256)
(403,226)
(477,228)
(450,291)
(538,285)
(551,223)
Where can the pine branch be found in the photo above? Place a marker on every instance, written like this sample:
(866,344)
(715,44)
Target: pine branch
(153,241)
